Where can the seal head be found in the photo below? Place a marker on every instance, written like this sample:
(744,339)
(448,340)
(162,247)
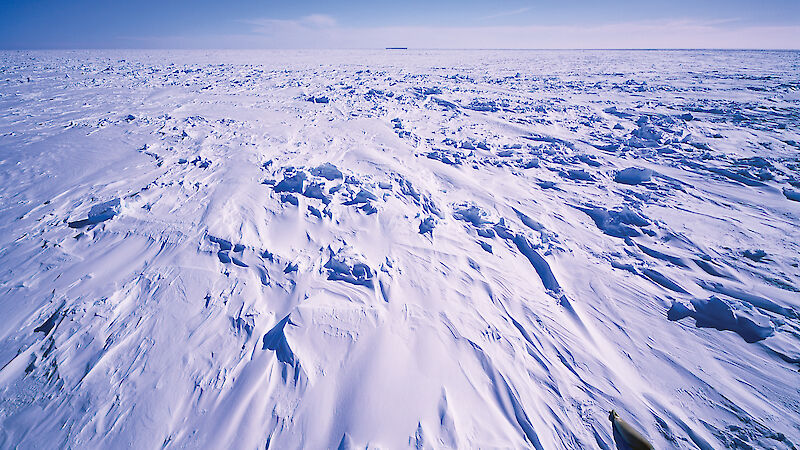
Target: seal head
(624,432)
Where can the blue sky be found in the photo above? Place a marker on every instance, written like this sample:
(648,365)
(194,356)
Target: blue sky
(33,24)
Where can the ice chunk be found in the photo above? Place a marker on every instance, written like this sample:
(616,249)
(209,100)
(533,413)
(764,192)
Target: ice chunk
(99,213)
(648,134)
(224,244)
(633,175)
(289,198)
(363,196)
(104,211)
(368,208)
(472,214)
(502,230)
(485,232)
(427,225)
(755,255)
(791,194)
(579,175)
(590,160)
(327,171)
(50,323)
(483,106)
(275,340)
(292,183)
(316,190)
(450,158)
(617,223)
(223,256)
(358,273)
(315,212)
(721,315)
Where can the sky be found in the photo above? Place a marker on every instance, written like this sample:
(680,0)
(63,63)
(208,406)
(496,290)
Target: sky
(58,24)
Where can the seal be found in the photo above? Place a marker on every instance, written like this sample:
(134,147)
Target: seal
(624,432)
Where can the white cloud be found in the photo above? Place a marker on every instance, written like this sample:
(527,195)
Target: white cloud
(322,31)
(507,13)
(319,20)
(286,27)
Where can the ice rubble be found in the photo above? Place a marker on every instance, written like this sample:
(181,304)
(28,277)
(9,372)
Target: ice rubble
(433,250)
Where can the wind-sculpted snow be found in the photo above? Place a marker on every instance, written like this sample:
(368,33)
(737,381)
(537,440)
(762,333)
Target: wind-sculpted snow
(457,249)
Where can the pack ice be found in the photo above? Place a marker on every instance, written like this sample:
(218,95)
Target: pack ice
(425,249)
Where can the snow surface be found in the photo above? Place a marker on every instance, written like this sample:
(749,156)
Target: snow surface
(472,249)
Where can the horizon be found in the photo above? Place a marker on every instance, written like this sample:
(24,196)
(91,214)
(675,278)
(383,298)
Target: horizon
(201,49)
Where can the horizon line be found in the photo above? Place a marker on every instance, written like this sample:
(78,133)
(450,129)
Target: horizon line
(733,49)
